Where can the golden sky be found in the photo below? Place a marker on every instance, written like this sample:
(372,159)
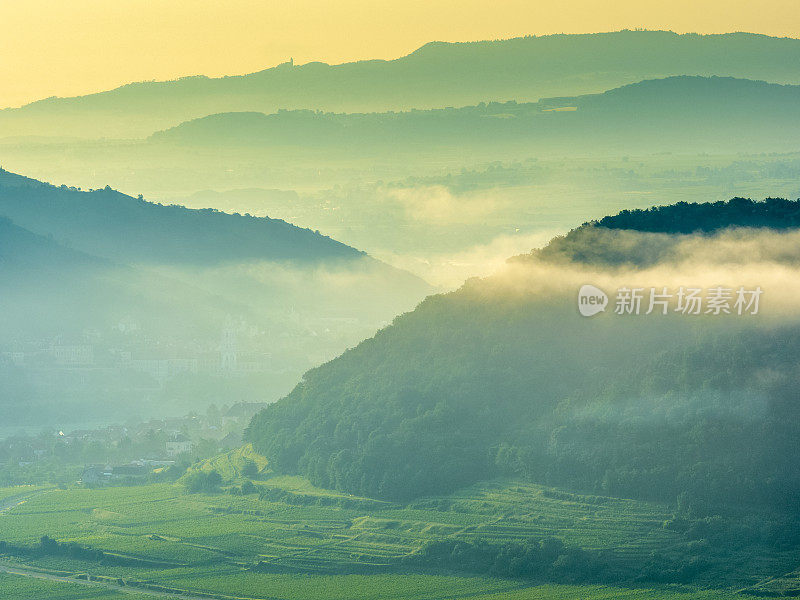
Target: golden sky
(71,47)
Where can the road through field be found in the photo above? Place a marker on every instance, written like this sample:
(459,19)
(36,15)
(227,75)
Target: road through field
(138,592)
(7,504)
(23,572)
(12,569)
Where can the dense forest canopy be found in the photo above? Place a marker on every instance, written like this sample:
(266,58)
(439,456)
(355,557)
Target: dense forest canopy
(662,230)
(685,217)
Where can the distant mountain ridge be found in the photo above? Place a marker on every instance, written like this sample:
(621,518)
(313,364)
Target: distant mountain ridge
(437,74)
(680,111)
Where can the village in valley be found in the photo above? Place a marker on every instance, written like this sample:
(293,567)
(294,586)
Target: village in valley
(135,452)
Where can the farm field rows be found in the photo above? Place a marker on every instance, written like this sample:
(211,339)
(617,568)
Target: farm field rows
(351,587)
(241,546)
(161,522)
(17,586)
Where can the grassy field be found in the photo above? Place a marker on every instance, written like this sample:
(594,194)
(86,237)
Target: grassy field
(242,547)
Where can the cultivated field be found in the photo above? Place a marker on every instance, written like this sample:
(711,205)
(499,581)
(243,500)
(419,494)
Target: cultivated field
(159,539)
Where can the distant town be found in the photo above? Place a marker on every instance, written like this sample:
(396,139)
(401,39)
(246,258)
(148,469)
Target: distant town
(118,454)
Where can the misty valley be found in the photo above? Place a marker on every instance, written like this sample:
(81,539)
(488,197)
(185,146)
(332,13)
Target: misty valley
(514,319)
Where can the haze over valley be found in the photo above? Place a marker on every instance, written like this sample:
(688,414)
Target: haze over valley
(513,319)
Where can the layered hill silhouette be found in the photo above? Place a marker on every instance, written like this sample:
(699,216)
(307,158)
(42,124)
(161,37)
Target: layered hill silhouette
(26,253)
(58,299)
(52,289)
(113,225)
(436,75)
(677,113)
(239,260)
(132,231)
(505,377)
(76,265)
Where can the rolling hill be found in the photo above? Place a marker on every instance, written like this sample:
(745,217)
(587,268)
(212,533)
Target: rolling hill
(255,261)
(505,377)
(436,75)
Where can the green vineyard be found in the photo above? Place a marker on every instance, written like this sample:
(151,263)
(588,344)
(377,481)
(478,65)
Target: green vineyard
(159,539)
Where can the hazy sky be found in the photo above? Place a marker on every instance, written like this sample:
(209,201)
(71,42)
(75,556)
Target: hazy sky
(58,47)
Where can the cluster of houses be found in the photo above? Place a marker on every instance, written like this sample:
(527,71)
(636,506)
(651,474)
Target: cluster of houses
(99,474)
(139,447)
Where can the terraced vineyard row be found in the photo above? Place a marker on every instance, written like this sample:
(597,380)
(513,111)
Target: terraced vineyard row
(245,547)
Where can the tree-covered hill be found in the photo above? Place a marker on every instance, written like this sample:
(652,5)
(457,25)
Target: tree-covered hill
(437,74)
(685,217)
(133,231)
(504,376)
(592,243)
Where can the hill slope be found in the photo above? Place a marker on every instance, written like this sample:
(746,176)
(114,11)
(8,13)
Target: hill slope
(51,288)
(438,74)
(60,356)
(129,230)
(504,376)
(257,260)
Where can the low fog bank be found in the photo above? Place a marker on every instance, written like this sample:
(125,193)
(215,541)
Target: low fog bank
(611,259)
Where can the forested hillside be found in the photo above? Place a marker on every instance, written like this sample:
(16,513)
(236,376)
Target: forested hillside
(504,376)
(685,217)
(663,229)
